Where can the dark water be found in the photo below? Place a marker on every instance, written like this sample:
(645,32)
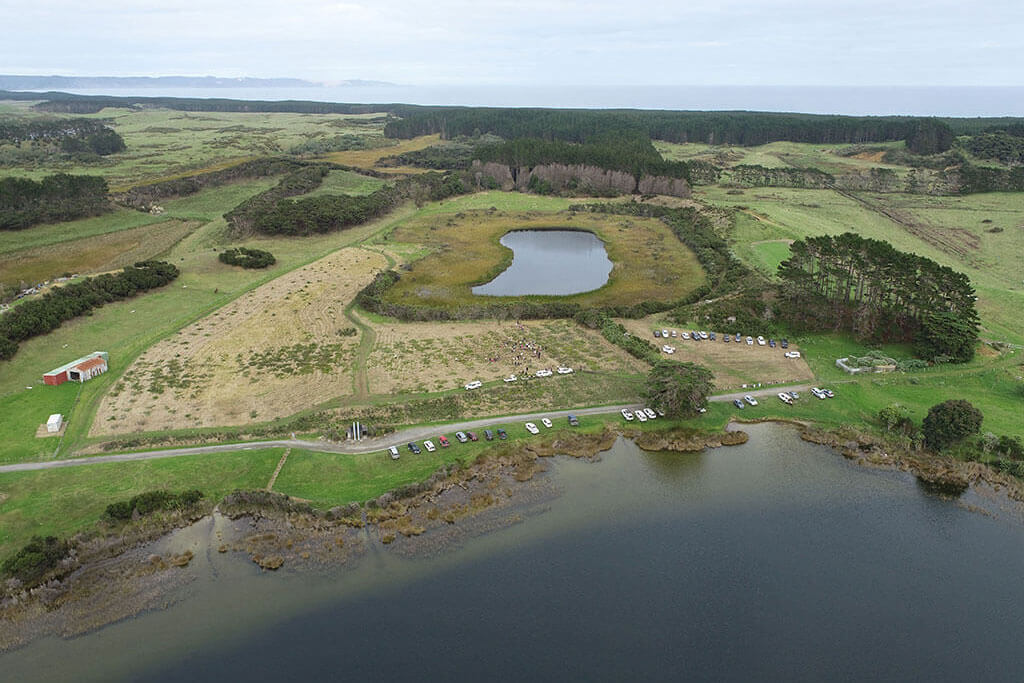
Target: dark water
(550,262)
(862,100)
(776,560)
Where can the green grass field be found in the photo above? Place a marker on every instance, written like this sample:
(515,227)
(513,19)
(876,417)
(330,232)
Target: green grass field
(346,182)
(64,501)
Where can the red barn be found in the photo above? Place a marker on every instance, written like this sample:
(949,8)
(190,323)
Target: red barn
(79,370)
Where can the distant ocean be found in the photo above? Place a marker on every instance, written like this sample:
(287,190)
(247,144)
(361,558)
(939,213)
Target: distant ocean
(912,101)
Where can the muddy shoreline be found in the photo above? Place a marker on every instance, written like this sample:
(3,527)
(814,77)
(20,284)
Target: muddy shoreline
(116,578)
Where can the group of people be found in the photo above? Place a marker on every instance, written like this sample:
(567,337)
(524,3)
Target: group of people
(519,350)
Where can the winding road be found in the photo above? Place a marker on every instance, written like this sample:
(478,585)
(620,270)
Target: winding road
(354,448)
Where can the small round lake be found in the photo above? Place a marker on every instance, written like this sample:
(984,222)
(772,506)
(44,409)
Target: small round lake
(555,262)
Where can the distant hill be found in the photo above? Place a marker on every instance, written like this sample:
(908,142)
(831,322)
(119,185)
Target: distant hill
(13,82)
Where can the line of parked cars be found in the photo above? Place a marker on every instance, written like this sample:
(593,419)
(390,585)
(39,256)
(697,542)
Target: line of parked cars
(787,397)
(726,338)
(641,414)
(476,384)
(467,436)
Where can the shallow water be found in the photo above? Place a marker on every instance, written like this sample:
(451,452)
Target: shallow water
(550,262)
(777,559)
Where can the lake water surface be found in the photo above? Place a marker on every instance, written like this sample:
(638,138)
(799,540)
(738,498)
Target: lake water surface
(774,560)
(550,262)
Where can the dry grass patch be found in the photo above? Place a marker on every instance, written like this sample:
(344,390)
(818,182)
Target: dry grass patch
(427,357)
(650,263)
(733,364)
(92,254)
(368,158)
(272,352)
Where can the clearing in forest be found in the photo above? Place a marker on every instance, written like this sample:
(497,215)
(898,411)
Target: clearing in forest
(278,349)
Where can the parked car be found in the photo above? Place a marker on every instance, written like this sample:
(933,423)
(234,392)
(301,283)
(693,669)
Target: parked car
(443,440)
(574,421)
(650,413)
(761,341)
(474,385)
(819,393)
(461,436)
(414,448)
(660,412)
(668,349)
(511,378)
(628,415)
(489,435)
(657,333)
(546,422)
(429,445)
(685,335)
(696,335)
(785,398)
(502,434)
(664,333)
(564,371)
(532,428)
(750,399)
(784,343)
(712,335)
(792,354)
(544,373)
(472,436)
(703,334)
(771,343)
(726,338)
(674,333)
(750,341)
(828,392)
(738,403)
(394,452)
(641,415)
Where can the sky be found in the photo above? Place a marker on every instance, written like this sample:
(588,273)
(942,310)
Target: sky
(525,42)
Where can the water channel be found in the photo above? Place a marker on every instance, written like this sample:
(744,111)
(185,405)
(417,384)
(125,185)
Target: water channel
(555,262)
(774,560)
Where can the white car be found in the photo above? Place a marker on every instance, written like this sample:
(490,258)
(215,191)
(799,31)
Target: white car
(511,378)
(819,393)
(792,354)
(628,415)
(703,334)
(544,373)
(564,371)
(685,335)
(429,445)
(785,398)
(546,422)
(750,341)
(532,428)
(668,349)
(474,385)
(750,399)
(650,413)
(761,341)
(641,415)
(674,333)
(664,333)
(394,452)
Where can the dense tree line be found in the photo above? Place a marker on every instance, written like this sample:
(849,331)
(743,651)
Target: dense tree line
(975,179)
(451,155)
(39,316)
(733,128)
(247,258)
(60,197)
(78,139)
(245,217)
(865,286)
(632,154)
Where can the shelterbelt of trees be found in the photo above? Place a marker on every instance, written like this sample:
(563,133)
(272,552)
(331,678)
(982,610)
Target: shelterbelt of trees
(42,315)
(867,287)
(61,197)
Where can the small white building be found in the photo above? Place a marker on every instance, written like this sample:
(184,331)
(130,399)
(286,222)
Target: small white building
(54,424)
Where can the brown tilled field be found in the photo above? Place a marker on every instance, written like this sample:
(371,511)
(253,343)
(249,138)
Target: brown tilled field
(422,357)
(368,158)
(733,364)
(280,348)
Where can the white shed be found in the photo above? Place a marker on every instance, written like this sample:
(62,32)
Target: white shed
(53,425)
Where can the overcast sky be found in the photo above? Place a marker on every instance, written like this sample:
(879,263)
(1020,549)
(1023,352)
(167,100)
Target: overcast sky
(545,42)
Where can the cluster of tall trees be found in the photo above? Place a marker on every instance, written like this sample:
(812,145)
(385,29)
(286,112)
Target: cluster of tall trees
(244,217)
(1000,145)
(61,197)
(79,138)
(869,288)
(39,316)
(632,154)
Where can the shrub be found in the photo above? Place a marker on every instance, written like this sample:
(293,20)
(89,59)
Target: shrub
(950,422)
(41,555)
(247,258)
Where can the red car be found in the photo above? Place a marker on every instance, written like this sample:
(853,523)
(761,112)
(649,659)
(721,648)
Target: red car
(443,441)
(472,436)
